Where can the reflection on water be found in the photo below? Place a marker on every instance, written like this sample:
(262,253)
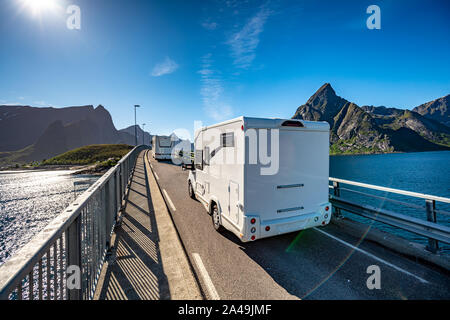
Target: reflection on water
(30,200)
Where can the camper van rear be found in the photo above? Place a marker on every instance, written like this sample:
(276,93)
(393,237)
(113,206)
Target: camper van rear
(263,177)
(162,147)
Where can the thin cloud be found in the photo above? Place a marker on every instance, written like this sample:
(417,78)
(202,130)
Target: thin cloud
(41,103)
(209,25)
(232,3)
(166,67)
(212,91)
(245,41)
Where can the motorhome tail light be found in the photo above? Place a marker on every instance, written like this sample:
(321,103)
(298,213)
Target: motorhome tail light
(268,228)
(326,216)
(253,221)
(253,238)
(323,222)
(242,127)
(253,230)
(292,123)
(327,208)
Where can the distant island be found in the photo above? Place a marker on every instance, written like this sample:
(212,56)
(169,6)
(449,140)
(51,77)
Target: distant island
(92,159)
(98,157)
(369,129)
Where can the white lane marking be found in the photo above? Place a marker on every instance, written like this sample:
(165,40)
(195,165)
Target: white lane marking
(156,176)
(206,279)
(373,256)
(169,200)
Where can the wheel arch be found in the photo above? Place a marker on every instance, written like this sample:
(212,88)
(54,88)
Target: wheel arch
(214,200)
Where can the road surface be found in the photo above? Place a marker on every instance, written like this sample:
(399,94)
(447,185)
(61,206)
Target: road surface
(321,263)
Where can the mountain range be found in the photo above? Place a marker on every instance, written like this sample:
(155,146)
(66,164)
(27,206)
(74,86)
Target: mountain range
(33,134)
(371,129)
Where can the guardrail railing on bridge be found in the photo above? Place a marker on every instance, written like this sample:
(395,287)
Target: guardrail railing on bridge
(77,241)
(428,228)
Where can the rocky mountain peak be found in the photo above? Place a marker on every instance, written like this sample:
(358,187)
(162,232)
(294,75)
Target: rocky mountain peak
(326,91)
(321,106)
(438,109)
(372,129)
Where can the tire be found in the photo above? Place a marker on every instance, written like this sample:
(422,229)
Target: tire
(215,217)
(191,191)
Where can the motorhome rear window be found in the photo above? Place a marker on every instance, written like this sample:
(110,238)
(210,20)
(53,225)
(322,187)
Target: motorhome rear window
(164,143)
(227,139)
(292,123)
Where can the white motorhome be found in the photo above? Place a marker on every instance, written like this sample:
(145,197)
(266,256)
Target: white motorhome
(162,147)
(262,177)
(183,152)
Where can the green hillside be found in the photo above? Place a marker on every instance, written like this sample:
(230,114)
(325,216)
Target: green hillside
(90,154)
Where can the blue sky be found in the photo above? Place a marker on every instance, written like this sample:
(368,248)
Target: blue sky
(212,60)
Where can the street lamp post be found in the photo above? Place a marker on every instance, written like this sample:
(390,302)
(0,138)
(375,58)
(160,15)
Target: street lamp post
(143,134)
(135,124)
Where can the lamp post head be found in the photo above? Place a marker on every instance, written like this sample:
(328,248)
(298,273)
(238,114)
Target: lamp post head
(137,106)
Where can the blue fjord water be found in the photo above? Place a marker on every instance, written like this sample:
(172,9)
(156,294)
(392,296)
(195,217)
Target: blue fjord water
(423,172)
(30,200)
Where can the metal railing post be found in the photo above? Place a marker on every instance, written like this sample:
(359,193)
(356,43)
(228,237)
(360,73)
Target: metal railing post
(109,208)
(128,170)
(118,203)
(433,244)
(104,221)
(73,245)
(120,186)
(337,193)
(114,199)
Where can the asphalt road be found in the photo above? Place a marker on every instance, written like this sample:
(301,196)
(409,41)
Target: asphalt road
(317,263)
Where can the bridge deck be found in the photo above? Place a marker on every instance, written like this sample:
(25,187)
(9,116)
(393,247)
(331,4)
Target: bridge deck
(319,263)
(146,263)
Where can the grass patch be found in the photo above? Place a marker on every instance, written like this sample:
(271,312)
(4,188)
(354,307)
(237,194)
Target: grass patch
(96,153)
(349,147)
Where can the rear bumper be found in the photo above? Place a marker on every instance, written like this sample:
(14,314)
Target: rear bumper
(163,156)
(278,226)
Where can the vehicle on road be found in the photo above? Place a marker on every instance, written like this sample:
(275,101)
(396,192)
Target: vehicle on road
(162,147)
(262,177)
(183,153)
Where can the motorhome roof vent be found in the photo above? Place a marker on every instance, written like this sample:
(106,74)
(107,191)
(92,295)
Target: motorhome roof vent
(292,123)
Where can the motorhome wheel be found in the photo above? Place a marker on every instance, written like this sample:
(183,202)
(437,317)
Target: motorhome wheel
(191,190)
(216,219)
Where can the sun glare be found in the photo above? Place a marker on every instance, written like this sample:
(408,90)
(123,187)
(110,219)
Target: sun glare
(39,6)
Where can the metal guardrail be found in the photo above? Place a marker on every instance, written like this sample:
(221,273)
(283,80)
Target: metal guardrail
(79,237)
(428,228)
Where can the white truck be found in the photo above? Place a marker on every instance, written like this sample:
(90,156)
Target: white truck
(162,147)
(262,177)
